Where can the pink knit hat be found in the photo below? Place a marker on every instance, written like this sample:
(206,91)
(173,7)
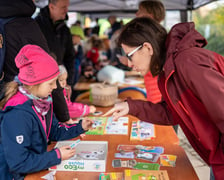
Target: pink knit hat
(35,65)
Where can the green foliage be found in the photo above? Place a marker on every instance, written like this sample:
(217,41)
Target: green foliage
(211,26)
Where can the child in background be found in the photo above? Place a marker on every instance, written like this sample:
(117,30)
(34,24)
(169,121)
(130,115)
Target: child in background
(28,122)
(77,36)
(96,53)
(75,109)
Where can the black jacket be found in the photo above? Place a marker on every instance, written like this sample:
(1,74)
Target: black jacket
(20,31)
(59,40)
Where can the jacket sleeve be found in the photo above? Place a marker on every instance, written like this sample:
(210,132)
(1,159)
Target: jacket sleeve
(18,145)
(62,131)
(59,104)
(147,111)
(78,109)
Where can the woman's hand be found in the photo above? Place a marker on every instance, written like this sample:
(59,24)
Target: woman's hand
(87,123)
(66,152)
(120,109)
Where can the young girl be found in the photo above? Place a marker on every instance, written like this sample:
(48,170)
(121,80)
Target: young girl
(75,109)
(28,122)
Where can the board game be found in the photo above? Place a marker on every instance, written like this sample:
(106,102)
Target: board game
(90,156)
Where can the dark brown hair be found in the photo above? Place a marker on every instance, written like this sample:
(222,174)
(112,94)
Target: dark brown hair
(155,8)
(141,30)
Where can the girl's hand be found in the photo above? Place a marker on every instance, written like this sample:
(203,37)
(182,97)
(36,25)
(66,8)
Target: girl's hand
(92,109)
(87,123)
(120,109)
(66,152)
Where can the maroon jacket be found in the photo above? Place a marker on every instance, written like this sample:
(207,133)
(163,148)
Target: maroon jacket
(192,86)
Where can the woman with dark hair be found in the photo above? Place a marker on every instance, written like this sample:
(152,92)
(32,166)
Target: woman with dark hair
(191,81)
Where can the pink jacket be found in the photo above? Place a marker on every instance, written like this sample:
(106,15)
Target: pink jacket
(76,109)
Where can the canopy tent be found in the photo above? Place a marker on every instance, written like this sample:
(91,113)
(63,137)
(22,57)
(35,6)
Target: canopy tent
(108,6)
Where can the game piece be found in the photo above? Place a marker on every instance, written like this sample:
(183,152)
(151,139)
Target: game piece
(75,143)
(145,174)
(148,156)
(97,113)
(129,155)
(147,166)
(111,176)
(141,130)
(168,160)
(116,163)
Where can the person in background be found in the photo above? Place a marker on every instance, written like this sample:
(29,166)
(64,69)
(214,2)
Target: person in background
(156,11)
(19,31)
(153,9)
(76,110)
(51,20)
(96,53)
(191,81)
(115,25)
(28,122)
(96,28)
(77,36)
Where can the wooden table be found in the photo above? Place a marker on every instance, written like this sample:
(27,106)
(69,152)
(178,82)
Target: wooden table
(165,136)
(84,84)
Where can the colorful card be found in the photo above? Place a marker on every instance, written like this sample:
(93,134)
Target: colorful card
(118,163)
(146,175)
(168,160)
(98,125)
(141,130)
(140,148)
(129,155)
(107,125)
(148,156)
(119,126)
(147,166)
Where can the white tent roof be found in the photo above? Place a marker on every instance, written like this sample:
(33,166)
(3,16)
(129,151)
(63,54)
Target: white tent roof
(107,6)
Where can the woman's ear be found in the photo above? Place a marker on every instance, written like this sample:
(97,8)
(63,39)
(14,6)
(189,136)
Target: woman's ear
(149,47)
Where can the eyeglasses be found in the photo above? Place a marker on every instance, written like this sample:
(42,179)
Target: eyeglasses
(132,52)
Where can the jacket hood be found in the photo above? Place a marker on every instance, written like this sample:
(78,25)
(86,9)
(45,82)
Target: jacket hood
(183,36)
(12,8)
